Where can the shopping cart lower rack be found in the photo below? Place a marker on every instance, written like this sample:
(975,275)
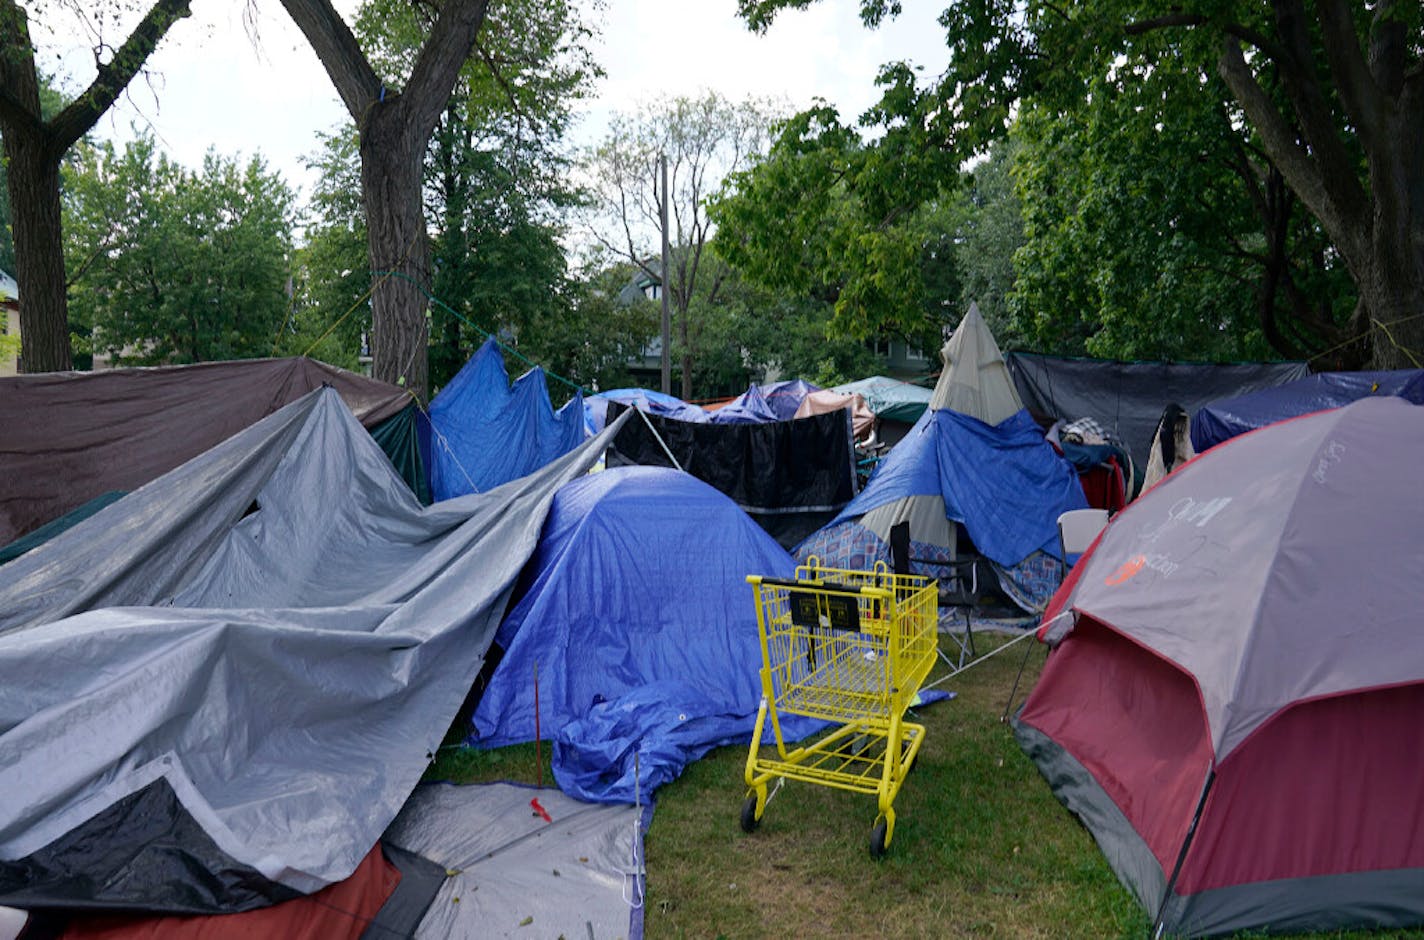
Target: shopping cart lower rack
(850,647)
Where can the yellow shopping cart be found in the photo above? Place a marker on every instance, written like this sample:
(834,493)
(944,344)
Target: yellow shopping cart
(849,647)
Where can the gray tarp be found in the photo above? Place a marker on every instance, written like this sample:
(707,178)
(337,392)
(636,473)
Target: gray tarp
(222,688)
(71,436)
(514,875)
(1128,397)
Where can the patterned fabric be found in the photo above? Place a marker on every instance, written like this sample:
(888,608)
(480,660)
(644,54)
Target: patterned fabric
(848,545)
(1032,581)
(1087,431)
(852,546)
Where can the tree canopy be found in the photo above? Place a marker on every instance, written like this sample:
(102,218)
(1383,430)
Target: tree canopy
(174,265)
(1331,101)
(34,145)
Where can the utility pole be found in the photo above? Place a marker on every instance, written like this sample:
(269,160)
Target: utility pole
(663,279)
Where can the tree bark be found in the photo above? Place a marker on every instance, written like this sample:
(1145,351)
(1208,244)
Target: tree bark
(34,148)
(1376,223)
(391,176)
(394,128)
(39,253)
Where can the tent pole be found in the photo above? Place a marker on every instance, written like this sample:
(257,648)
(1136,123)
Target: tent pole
(659,438)
(1158,924)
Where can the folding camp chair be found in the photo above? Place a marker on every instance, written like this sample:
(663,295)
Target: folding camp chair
(1077,528)
(958,589)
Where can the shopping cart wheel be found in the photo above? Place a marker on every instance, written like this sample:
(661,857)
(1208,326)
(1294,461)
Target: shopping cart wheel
(750,820)
(877,839)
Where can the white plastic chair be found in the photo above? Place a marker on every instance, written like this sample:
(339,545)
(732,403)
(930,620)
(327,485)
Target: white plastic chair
(1076,530)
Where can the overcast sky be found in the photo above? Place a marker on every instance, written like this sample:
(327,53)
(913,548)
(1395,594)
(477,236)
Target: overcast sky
(210,86)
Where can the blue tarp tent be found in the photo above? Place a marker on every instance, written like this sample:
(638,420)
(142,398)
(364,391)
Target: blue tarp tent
(990,473)
(750,407)
(1227,417)
(595,407)
(1003,483)
(638,583)
(785,397)
(485,432)
(775,401)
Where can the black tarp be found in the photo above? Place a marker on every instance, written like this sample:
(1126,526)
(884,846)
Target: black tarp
(1128,397)
(792,477)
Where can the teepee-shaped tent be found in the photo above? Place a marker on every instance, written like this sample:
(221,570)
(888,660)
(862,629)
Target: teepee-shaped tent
(974,461)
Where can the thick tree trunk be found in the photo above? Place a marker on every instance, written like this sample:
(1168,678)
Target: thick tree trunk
(391,176)
(39,252)
(1391,279)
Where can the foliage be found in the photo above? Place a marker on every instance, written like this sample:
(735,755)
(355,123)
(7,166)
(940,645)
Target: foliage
(702,139)
(590,335)
(1147,226)
(331,311)
(494,185)
(827,216)
(985,229)
(171,265)
(1324,102)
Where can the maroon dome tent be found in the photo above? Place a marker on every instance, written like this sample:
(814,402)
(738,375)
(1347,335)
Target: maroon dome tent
(1236,705)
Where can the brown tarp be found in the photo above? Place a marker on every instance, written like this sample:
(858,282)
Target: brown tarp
(68,437)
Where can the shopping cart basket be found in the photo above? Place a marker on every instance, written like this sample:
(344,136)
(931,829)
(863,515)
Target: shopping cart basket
(852,648)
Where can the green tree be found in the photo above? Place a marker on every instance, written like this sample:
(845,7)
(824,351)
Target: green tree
(589,335)
(1155,230)
(331,311)
(986,219)
(493,180)
(1332,97)
(828,217)
(35,145)
(172,265)
(703,140)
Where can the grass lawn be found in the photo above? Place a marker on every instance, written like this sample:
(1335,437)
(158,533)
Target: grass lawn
(981,847)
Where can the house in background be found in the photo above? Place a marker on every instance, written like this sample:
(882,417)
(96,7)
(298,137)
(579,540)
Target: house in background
(9,325)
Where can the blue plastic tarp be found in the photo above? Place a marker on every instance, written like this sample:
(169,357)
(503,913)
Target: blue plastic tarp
(1224,419)
(785,397)
(750,407)
(595,406)
(639,578)
(1004,483)
(485,432)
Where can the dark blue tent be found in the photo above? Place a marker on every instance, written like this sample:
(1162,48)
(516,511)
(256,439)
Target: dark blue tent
(639,579)
(750,407)
(1224,419)
(785,397)
(760,404)
(484,432)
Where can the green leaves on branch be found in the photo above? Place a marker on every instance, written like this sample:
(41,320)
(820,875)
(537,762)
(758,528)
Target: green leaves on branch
(172,265)
(829,216)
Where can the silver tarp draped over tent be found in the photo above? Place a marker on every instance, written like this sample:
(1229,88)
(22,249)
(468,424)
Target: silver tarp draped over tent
(219,691)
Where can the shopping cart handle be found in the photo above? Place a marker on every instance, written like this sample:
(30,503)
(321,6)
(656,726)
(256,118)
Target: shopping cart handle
(817,586)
